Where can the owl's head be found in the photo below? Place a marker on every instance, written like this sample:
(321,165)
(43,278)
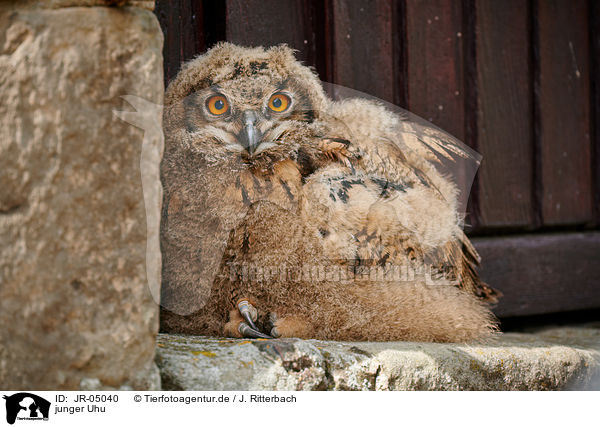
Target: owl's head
(250,101)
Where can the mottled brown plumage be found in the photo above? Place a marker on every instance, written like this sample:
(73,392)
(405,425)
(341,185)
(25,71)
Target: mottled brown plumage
(328,218)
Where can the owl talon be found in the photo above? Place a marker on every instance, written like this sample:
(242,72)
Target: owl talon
(248,312)
(249,332)
(270,325)
(270,322)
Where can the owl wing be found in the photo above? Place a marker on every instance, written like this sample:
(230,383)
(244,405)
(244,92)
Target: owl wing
(460,259)
(383,203)
(436,145)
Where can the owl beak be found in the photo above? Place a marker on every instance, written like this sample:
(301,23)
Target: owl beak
(249,137)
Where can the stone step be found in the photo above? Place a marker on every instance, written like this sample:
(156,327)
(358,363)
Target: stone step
(553,359)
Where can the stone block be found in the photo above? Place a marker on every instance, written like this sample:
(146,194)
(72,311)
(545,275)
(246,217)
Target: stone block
(75,306)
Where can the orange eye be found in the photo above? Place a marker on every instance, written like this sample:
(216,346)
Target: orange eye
(279,102)
(217,105)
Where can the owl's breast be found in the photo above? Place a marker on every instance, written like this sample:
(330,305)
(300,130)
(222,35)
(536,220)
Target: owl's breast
(282,186)
(217,199)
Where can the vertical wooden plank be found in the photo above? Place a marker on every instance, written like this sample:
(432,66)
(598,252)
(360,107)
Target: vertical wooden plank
(564,105)
(215,13)
(183,29)
(363,47)
(470,104)
(271,22)
(434,46)
(504,114)
(192,29)
(595,82)
(167,14)
(316,30)
(435,71)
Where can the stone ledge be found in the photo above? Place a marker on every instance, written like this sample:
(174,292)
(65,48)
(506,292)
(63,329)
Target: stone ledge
(553,359)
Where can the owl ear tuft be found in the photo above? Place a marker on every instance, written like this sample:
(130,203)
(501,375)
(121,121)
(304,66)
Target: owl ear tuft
(282,55)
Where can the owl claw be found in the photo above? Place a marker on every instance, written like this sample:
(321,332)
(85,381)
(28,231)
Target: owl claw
(270,325)
(248,312)
(249,332)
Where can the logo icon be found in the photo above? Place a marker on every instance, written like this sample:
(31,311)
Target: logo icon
(26,406)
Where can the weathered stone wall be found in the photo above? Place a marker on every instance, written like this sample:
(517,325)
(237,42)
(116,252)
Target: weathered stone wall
(75,307)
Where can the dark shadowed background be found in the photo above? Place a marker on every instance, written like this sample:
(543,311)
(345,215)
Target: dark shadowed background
(517,80)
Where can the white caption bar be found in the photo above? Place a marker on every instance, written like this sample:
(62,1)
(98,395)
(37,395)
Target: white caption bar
(244,409)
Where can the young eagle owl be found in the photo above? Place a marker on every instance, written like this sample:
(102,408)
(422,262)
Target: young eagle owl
(287,214)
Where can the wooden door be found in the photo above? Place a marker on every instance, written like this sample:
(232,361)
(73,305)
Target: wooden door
(517,80)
